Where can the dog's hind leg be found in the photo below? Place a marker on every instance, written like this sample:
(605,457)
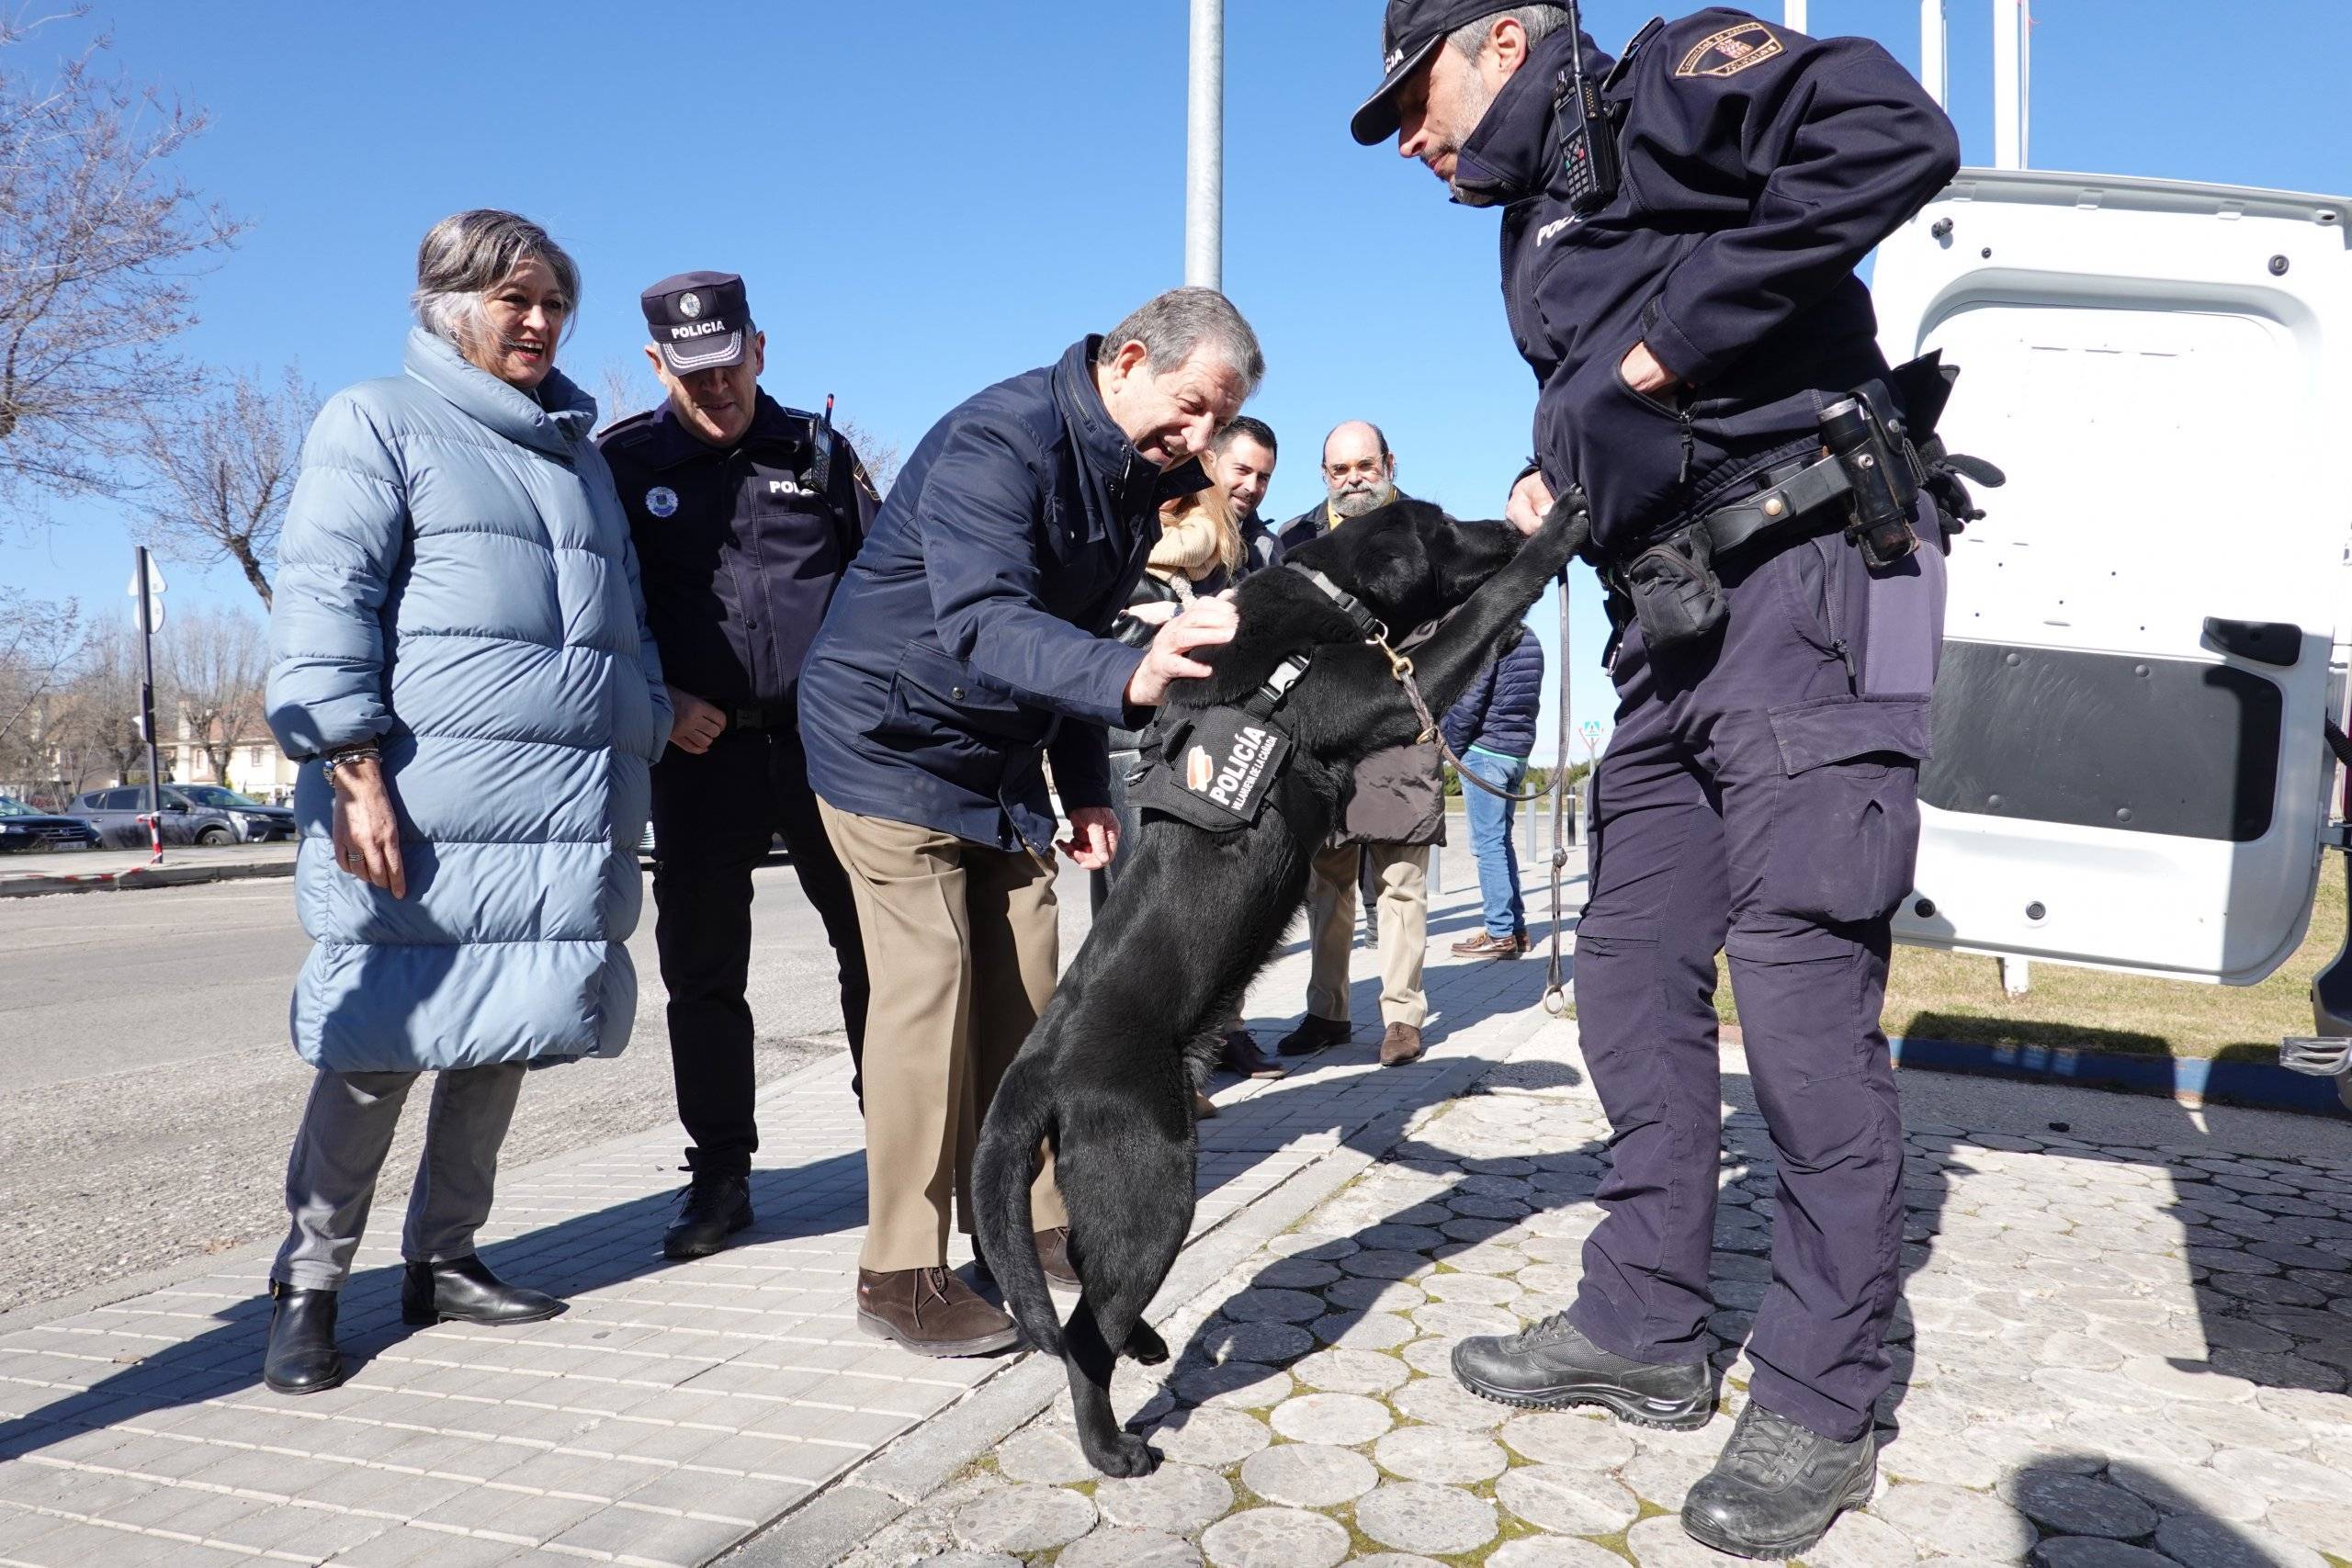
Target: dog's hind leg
(1086,1352)
(1145,1344)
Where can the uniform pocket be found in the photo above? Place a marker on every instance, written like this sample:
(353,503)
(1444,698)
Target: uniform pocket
(1846,838)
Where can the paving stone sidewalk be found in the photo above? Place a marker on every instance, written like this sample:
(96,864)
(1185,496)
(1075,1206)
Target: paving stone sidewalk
(2111,1354)
(673,1411)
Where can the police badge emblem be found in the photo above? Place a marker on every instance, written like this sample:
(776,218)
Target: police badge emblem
(661,501)
(690,305)
(1730,52)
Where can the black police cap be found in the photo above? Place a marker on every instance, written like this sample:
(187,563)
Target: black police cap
(699,321)
(1409,36)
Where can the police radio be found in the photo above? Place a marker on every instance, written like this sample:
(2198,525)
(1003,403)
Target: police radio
(1588,145)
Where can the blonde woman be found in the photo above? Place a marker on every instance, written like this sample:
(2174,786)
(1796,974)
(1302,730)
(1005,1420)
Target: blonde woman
(1200,554)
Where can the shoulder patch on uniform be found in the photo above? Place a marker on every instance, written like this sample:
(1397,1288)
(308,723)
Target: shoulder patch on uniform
(1730,52)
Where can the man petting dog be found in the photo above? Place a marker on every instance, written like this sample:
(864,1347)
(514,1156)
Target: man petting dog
(964,650)
(1681,226)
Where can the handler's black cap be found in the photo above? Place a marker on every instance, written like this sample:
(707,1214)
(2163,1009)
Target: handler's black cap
(698,320)
(1410,35)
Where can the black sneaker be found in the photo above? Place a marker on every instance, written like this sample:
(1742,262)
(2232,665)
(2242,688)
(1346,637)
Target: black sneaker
(1550,1364)
(716,1205)
(1778,1488)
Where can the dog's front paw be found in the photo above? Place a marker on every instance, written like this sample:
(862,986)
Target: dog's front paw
(1126,1454)
(1146,1346)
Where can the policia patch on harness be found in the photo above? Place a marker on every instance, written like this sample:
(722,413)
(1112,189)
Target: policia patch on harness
(1215,767)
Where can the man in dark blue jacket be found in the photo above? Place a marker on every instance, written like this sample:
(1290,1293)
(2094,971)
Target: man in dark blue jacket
(963,651)
(1689,323)
(1492,731)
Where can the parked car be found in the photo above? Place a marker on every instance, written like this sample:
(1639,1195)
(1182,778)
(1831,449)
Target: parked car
(22,828)
(192,814)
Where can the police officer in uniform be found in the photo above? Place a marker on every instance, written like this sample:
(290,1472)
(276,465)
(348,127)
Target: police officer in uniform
(745,512)
(1694,325)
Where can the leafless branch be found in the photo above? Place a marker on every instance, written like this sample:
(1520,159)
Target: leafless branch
(216,471)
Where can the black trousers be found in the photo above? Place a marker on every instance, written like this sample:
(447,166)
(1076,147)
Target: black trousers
(713,819)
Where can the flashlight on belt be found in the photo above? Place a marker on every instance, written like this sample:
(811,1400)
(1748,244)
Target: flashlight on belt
(1884,492)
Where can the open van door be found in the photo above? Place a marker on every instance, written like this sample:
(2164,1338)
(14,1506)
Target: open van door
(2130,767)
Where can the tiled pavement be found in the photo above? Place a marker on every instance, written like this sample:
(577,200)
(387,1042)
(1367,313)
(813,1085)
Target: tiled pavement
(2125,1344)
(2112,1354)
(673,1410)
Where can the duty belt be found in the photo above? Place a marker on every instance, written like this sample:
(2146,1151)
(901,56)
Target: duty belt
(758,717)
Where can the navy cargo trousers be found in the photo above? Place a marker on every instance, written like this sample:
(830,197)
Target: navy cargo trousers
(1760,799)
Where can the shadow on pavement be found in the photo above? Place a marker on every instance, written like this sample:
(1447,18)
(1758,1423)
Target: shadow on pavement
(608,1247)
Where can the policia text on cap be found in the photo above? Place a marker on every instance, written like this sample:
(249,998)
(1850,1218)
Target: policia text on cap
(1680,222)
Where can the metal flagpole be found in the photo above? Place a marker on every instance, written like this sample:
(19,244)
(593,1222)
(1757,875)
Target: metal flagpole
(147,699)
(1935,70)
(1793,13)
(1204,150)
(2008,80)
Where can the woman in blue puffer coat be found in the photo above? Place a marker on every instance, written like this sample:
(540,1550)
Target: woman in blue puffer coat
(460,655)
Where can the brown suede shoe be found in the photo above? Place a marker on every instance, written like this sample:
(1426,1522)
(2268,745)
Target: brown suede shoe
(1485,947)
(1203,1107)
(932,1312)
(1401,1045)
(1242,1057)
(1053,1255)
(1314,1033)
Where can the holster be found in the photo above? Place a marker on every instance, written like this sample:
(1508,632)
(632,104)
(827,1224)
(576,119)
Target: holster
(1676,596)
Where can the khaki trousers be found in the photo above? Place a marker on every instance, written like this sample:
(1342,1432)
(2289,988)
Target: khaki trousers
(963,944)
(1403,873)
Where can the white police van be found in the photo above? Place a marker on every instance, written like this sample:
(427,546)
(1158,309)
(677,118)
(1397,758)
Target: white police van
(2147,635)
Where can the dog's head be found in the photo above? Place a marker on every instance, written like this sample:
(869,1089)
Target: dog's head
(1408,561)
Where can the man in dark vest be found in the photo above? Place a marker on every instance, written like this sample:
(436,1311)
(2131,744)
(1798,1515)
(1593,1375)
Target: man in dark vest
(744,514)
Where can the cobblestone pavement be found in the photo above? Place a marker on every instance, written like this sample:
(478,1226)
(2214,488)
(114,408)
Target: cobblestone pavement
(2110,1354)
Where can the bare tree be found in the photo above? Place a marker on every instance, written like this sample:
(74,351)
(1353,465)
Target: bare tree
(97,235)
(39,640)
(881,457)
(622,390)
(218,662)
(217,470)
(96,718)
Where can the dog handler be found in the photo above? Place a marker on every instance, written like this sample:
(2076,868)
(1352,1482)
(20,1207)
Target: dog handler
(1699,338)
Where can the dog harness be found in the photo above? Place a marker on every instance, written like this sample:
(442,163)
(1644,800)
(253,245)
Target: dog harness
(1215,767)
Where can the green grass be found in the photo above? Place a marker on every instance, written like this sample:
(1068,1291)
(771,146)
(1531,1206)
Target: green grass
(1943,995)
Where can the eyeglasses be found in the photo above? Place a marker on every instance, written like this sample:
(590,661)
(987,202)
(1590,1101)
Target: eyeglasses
(1368,467)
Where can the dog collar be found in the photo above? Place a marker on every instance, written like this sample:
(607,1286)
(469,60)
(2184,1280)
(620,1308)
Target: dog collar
(1369,626)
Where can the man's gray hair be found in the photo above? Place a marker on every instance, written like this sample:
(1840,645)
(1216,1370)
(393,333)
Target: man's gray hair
(467,254)
(1180,323)
(1538,21)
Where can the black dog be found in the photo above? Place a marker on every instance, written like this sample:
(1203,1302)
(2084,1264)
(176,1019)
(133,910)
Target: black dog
(1107,1076)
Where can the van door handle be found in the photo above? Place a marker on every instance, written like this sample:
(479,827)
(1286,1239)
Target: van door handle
(2276,643)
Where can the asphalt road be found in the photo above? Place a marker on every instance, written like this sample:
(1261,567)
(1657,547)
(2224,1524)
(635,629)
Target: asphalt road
(148,1094)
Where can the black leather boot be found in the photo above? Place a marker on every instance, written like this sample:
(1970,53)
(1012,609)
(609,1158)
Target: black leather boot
(717,1205)
(301,1356)
(464,1290)
(1549,1363)
(1778,1488)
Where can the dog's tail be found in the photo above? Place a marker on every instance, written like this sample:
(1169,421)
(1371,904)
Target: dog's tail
(1017,1122)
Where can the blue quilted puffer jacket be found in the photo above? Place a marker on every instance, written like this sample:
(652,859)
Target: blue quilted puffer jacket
(456,582)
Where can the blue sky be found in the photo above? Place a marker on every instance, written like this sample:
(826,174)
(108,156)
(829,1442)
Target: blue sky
(926,197)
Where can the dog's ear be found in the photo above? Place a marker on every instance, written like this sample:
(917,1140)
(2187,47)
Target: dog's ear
(1463,555)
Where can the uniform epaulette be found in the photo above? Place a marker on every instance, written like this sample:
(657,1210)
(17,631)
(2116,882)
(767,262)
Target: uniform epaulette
(625,433)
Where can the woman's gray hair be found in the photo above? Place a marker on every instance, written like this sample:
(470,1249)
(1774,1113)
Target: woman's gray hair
(1175,325)
(467,254)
